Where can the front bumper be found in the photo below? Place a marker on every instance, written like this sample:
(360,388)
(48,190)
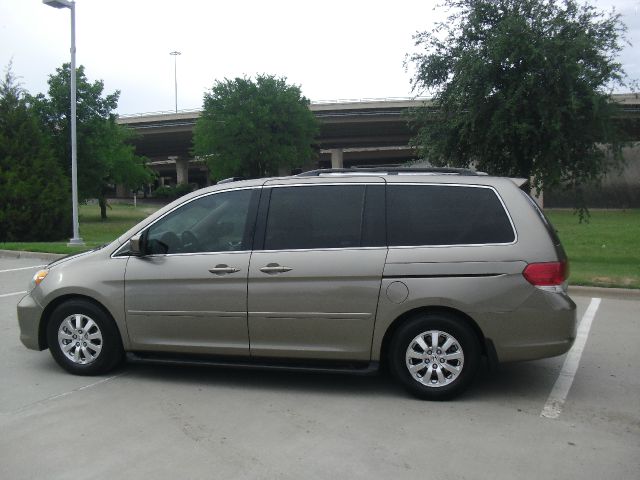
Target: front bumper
(29,316)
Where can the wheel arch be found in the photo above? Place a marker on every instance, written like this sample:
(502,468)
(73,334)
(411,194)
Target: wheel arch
(469,321)
(51,306)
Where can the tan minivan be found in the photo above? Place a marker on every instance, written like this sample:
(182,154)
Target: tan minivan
(425,270)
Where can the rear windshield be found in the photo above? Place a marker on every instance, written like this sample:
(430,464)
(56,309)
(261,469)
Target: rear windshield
(446,215)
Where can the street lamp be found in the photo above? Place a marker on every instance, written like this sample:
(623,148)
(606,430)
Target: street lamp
(76,240)
(175,74)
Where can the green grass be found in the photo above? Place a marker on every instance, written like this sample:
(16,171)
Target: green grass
(604,252)
(93,231)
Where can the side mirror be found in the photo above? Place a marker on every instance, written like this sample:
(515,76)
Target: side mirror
(135,246)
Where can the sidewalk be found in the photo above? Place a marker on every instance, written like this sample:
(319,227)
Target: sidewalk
(35,255)
(619,293)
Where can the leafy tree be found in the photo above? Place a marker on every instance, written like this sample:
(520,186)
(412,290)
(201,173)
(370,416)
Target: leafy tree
(521,88)
(35,201)
(252,128)
(105,155)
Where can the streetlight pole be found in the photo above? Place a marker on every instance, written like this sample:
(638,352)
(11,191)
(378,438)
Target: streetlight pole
(71,5)
(175,74)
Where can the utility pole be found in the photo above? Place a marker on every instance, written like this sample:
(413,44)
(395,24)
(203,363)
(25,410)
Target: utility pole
(175,74)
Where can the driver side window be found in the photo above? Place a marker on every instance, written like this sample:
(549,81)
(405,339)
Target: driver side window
(214,223)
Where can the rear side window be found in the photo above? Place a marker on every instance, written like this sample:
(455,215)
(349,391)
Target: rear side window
(445,215)
(324,216)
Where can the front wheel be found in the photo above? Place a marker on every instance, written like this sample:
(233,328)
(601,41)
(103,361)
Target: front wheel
(83,339)
(435,356)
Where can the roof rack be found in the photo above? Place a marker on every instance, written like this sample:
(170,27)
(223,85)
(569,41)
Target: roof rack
(390,171)
(231,179)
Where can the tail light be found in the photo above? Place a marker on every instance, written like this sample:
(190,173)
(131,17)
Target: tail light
(546,274)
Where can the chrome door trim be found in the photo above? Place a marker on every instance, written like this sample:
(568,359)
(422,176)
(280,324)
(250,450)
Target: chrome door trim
(185,313)
(332,315)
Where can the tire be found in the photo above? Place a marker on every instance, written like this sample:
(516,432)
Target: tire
(83,338)
(447,372)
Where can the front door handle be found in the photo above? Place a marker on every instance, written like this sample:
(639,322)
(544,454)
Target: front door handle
(223,269)
(275,268)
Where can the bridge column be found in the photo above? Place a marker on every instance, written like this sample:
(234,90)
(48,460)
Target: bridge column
(337,158)
(182,170)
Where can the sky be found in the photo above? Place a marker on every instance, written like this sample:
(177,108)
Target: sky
(348,49)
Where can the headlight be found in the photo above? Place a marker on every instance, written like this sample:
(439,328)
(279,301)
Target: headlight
(38,278)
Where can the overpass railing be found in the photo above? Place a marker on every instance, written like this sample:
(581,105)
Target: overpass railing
(313,102)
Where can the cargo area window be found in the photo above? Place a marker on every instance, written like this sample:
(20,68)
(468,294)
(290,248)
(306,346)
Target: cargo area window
(446,215)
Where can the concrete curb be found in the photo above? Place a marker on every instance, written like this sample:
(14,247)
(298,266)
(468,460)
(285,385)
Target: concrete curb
(629,293)
(35,255)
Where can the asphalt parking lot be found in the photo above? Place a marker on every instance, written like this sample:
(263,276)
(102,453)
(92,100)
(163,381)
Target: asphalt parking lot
(191,423)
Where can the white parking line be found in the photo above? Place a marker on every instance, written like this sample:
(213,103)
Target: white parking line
(11,294)
(60,395)
(560,390)
(23,268)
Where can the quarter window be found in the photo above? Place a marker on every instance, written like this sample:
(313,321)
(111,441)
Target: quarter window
(214,223)
(445,215)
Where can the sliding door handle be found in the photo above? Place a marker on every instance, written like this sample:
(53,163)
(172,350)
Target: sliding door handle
(275,268)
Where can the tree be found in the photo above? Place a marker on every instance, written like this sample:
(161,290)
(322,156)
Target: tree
(251,129)
(521,88)
(105,156)
(35,202)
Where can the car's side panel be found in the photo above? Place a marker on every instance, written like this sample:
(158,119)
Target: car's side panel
(484,282)
(323,308)
(94,275)
(469,287)
(174,303)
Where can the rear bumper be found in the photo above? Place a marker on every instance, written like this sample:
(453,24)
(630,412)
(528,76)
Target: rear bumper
(544,326)
(29,315)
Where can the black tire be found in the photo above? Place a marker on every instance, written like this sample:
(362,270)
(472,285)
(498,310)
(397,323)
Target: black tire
(425,381)
(102,355)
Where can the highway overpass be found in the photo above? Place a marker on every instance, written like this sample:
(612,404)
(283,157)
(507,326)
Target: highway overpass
(352,132)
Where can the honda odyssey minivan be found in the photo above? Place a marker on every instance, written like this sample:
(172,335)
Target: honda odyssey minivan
(425,271)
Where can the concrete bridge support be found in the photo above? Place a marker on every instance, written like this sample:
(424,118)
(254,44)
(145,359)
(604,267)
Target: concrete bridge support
(182,170)
(337,158)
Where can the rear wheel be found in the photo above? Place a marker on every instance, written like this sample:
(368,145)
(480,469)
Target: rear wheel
(83,339)
(435,356)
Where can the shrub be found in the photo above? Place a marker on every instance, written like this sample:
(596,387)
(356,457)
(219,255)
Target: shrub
(35,200)
(173,192)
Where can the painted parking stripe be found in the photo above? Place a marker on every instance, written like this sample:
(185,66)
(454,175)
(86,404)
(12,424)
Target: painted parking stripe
(558,395)
(61,395)
(23,268)
(11,294)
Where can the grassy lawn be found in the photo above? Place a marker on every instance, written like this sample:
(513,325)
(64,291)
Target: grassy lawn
(604,252)
(93,231)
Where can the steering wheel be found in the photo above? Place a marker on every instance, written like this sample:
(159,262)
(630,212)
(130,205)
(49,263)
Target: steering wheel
(168,243)
(190,242)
